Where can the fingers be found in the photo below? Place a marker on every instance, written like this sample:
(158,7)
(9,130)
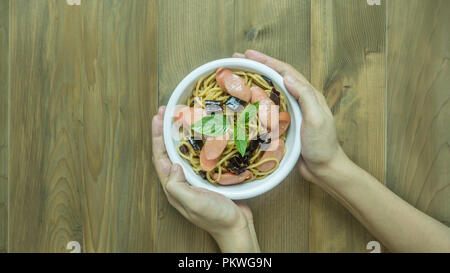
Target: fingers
(176,175)
(304,93)
(238,55)
(275,64)
(310,100)
(177,188)
(160,158)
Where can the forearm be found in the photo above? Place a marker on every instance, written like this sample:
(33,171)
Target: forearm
(243,241)
(394,222)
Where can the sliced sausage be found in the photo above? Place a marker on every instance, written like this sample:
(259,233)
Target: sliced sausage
(214,147)
(283,125)
(276,150)
(189,115)
(258,94)
(285,121)
(233,84)
(267,112)
(232,179)
(207,165)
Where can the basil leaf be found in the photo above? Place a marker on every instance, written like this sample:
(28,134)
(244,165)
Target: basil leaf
(240,134)
(249,113)
(212,125)
(240,139)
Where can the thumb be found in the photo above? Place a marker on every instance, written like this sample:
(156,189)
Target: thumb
(177,188)
(176,174)
(303,92)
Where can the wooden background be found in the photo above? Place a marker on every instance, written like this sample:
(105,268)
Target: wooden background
(80,84)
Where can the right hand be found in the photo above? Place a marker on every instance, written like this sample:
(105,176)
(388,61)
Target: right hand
(320,148)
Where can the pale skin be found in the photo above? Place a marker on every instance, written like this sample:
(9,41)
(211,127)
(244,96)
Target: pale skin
(395,223)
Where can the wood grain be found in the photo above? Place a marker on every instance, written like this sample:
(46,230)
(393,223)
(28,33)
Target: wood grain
(45,169)
(348,64)
(84,82)
(191,33)
(119,84)
(418,132)
(80,119)
(4,127)
(280,29)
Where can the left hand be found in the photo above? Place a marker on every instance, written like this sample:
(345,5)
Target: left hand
(230,223)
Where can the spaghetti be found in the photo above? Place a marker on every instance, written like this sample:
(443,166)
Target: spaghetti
(208,89)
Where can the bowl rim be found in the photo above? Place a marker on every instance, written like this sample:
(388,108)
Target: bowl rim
(286,164)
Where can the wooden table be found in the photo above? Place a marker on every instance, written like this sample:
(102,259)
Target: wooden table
(80,84)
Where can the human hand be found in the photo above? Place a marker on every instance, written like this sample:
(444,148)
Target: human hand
(320,148)
(229,223)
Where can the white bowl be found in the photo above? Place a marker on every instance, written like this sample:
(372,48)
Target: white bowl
(293,145)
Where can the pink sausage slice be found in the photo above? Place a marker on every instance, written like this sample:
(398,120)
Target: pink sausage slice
(233,84)
(285,121)
(189,115)
(214,147)
(267,112)
(207,165)
(276,150)
(258,94)
(232,179)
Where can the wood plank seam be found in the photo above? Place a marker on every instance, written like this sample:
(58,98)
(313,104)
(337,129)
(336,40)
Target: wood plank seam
(4,123)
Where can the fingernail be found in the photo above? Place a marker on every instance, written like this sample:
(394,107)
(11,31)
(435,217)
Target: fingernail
(238,55)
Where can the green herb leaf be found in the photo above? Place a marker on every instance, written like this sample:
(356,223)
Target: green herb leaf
(249,113)
(240,138)
(240,133)
(212,125)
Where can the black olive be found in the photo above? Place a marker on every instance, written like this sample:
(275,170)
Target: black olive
(241,170)
(269,81)
(275,91)
(183,149)
(236,160)
(235,104)
(213,102)
(197,144)
(236,170)
(246,158)
(213,106)
(202,174)
(254,143)
(264,138)
(275,98)
(238,164)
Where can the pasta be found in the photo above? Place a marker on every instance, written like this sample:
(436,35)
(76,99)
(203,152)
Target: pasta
(208,89)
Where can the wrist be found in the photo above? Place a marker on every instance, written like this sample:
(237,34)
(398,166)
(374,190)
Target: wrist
(339,173)
(332,167)
(237,240)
